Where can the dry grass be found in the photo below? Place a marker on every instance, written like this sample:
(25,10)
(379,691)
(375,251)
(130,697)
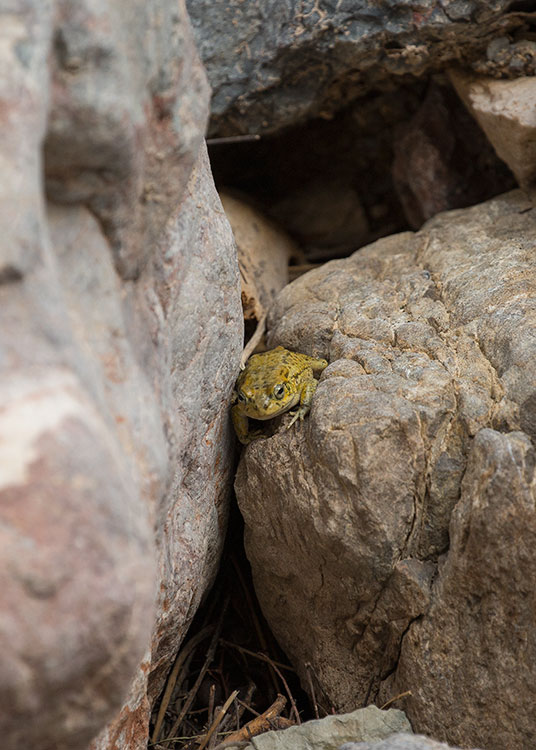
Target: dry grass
(230,681)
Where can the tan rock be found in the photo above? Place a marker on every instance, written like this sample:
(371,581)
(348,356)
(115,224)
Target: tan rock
(264,252)
(505,111)
(399,742)
(470,662)
(347,516)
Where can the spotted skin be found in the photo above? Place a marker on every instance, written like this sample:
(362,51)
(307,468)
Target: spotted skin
(271,384)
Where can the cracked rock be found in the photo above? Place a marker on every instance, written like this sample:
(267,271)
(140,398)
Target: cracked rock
(357,520)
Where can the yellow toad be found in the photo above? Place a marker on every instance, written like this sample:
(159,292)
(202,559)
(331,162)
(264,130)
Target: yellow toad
(272,383)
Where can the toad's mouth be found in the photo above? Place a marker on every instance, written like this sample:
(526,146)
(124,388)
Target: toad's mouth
(264,412)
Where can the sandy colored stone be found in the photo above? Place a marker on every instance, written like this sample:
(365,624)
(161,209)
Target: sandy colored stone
(351,515)
(264,252)
(505,111)
(400,742)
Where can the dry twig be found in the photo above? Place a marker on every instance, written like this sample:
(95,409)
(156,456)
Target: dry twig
(241,706)
(254,341)
(210,714)
(257,655)
(261,723)
(308,669)
(285,684)
(217,721)
(172,679)
(233,139)
(255,619)
(392,700)
(206,664)
(225,744)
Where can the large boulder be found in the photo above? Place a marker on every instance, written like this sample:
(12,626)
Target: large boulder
(120,336)
(274,63)
(391,534)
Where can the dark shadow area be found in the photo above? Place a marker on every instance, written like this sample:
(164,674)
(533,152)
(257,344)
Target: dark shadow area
(230,647)
(383,165)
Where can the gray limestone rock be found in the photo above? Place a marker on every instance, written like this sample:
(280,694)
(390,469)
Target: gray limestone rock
(274,63)
(399,742)
(369,724)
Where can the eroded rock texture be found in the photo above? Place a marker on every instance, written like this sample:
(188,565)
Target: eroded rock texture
(272,64)
(476,645)
(119,341)
(391,535)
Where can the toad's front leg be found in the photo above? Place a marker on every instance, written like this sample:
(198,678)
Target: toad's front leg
(241,426)
(307,392)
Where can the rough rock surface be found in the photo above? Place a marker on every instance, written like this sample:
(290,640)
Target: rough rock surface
(400,742)
(475,649)
(505,111)
(327,734)
(274,63)
(349,516)
(113,392)
(196,329)
(509,56)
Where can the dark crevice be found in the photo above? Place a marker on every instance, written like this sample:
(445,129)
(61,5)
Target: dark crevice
(10,274)
(382,165)
(237,662)
(392,670)
(523,6)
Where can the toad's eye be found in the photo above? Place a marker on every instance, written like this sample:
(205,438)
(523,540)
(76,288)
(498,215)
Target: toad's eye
(279,390)
(241,397)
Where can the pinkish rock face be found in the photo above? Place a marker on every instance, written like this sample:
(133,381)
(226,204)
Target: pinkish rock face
(77,562)
(113,392)
(129,101)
